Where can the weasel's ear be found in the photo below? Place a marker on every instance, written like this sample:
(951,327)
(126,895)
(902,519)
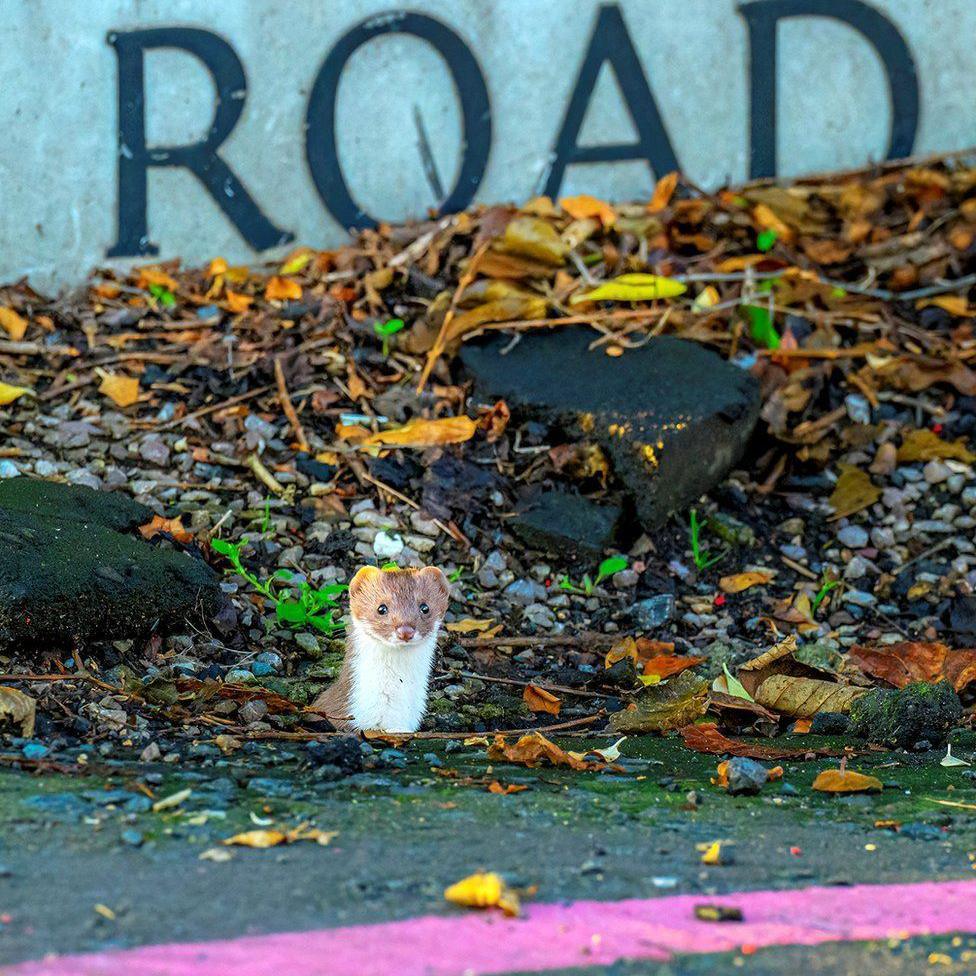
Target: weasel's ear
(363,576)
(436,577)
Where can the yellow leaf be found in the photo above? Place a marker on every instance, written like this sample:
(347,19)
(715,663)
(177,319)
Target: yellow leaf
(649,679)
(468,626)
(282,289)
(632,288)
(539,700)
(925,445)
(713,853)
(707,297)
(295,264)
(957,305)
(122,390)
(583,206)
(846,781)
(17,707)
(217,267)
(10,393)
(425,433)
(663,191)
(743,581)
(532,237)
(854,491)
(484,889)
(622,649)
(257,838)
(172,801)
(13,324)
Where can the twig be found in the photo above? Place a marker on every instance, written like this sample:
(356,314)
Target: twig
(267,478)
(562,689)
(438,347)
(566,640)
(213,408)
(905,296)
(924,554)
(288,407)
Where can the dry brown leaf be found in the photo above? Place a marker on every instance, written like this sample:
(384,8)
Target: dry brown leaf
(846,781)
(495,787)
(707,738)
(901,664)
(18,708)
(539,700)
(743,581)
(804,697)
(924,445)
(534,238)
(13,324)
(421,433)
(282,289)
(624,648)
(853,492)
(535,749)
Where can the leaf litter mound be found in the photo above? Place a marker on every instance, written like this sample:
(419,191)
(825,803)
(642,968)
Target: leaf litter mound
(311,416)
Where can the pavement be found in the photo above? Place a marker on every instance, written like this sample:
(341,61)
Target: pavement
(611,858)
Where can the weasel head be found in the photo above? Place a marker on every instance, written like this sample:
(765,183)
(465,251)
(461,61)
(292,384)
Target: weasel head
(398,607)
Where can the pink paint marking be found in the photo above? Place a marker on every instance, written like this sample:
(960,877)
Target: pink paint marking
(551,936)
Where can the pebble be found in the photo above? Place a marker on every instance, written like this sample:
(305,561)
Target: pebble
(655,611)
(936,472)
(132,837)
(858,408)
(626,579)
(540,615)
(8,469)
(859,598)
(35,750)
(853,536)
(152,753)
(387,546)
(525,592)
(746,776)
(856,568)
(238,676)
(882,537)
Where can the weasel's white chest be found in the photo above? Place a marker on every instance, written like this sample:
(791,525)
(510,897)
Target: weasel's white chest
(389,685)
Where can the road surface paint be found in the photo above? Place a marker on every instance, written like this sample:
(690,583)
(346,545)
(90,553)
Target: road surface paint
(552,936)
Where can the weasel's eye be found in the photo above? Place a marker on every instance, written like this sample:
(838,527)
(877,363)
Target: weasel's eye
(424,608)
(382,609)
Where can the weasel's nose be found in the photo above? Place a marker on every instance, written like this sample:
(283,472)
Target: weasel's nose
(405,632)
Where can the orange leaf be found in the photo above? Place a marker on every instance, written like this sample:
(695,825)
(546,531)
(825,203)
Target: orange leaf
(282,289)
(707,738)
(743,581)
(495,787)
(425,433)
(13,324)
(122,390)
(173,527)
(627,647)
(156,276)
(901,664)
(237,303)
(533,750)
(539,700)
(663,191)
(665,665)
(846,781)
(584,206)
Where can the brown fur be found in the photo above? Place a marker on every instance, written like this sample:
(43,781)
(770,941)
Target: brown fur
(402,591)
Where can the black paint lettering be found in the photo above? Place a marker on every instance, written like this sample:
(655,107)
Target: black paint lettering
(611,43)
(320,138)
(200,158)
(762,19)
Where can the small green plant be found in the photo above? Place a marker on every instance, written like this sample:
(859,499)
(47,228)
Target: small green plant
(586,585)
(386,329)
(825,588)
(299,604)
(704,558)
(162,295)
(765,239)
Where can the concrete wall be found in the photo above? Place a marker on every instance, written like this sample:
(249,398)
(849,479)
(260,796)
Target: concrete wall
(480,89)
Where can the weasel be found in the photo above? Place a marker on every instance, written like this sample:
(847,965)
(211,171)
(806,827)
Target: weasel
(391,638)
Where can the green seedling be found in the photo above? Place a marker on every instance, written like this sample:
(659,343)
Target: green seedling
(825,588)
(765,240)
(162,295)
(587,585)
(386,329)
(299,604)
(704,558)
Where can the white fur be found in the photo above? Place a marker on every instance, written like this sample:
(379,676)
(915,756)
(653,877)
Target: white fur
(389,682)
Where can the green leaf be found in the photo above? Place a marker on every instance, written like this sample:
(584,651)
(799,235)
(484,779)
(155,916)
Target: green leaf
(225,548)
(766,239)
(608,567)
(390,327)
(326,624)
(761,326)
(735,685)
(163,295)
(633,288)
(291,612)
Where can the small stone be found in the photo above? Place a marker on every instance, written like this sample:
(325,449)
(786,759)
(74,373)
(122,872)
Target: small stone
(524,592)
(853,536)
(859,598)
(238,676)
(252,711)
(308,642)
(746,776)
(132,837)
(34,750)
(856,568)
(626,579)
(936,472)
(829,723)
(387,546)
(152,753)
(655,611)
(858,408)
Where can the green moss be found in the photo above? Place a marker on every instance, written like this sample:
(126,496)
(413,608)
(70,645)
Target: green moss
(902,718)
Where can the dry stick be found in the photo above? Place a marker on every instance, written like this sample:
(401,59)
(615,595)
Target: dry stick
(439,342)
(524,684)
(267,478)
(213,408)
(287,406)
(925,553)
(568,640)
(611,317)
